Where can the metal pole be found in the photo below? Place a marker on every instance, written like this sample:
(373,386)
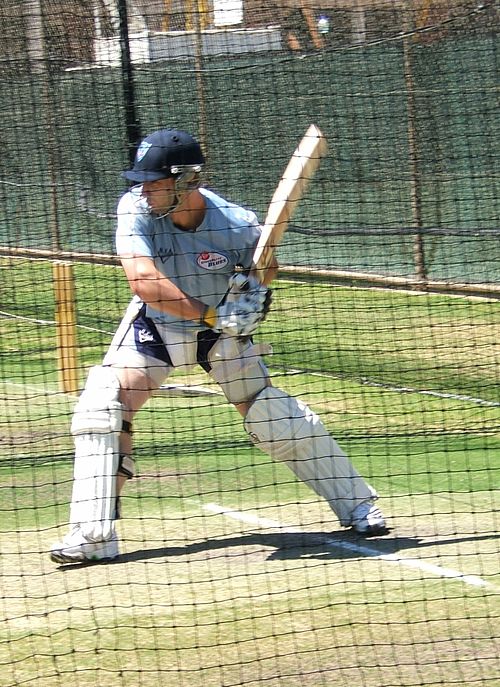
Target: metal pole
(198,66)
(39,65)
(131,122)
(415,176)
(35,38)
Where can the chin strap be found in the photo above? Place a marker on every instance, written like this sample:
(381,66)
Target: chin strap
(187,179)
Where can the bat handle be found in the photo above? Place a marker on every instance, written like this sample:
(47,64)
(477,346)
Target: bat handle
(257,274)
(263,272)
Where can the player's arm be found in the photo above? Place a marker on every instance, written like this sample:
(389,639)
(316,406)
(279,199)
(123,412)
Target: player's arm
(158,291)
(162,294)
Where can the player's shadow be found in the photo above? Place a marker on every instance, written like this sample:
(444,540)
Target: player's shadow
(346,544)
(290,546)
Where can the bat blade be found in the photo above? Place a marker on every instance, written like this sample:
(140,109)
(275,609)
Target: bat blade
(301,168)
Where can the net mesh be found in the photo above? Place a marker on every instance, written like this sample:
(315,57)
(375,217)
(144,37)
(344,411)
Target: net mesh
(232,572)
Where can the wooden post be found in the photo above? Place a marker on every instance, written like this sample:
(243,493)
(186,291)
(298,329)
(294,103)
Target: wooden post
(204,14)
(316,37)
(165,19)
(65,316)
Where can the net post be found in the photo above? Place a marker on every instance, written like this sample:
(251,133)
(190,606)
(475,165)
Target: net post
(65,317)
(414,155)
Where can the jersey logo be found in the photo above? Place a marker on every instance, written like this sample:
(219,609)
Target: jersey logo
(212,261)
(142,150)
(164,254)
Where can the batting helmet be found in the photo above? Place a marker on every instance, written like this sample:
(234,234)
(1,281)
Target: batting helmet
(165,153)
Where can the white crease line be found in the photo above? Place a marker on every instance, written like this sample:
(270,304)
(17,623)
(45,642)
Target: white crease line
(398,389)
(438,570)
(39,391)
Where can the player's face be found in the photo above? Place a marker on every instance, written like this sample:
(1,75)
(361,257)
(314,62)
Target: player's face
(160,195)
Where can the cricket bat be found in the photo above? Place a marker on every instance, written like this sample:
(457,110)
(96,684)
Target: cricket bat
(301,168)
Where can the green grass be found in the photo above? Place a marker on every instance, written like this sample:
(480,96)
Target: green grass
(407,383)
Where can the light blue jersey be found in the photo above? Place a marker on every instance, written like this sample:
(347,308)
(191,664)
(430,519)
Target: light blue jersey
(201,262)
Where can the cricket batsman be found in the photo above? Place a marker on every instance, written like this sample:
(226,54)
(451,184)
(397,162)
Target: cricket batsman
(187,254)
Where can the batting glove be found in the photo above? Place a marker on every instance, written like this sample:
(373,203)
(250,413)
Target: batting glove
(239,284)
(245,307)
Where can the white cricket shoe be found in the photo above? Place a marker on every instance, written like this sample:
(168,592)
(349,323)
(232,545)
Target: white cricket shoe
(75,548)
(368,520)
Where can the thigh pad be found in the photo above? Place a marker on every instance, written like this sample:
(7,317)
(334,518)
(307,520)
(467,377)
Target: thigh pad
(237,366)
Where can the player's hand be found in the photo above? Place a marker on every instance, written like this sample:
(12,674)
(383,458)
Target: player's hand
(239,284)
(245,307)
(247,288)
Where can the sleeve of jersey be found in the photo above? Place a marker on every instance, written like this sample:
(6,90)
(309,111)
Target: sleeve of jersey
(250,234)
(132,236)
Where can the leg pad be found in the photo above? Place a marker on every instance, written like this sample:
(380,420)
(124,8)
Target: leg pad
(289,431)
(96,427)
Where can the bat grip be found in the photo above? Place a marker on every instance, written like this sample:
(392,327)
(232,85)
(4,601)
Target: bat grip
(261,272)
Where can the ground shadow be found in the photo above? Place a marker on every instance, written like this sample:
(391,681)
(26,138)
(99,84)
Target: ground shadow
(292,546)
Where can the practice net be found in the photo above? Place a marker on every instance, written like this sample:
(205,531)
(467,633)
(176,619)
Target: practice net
(385,321)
